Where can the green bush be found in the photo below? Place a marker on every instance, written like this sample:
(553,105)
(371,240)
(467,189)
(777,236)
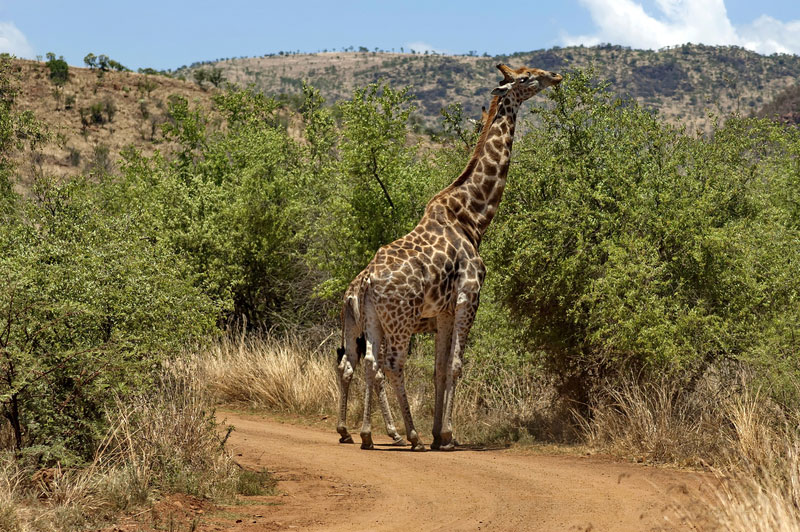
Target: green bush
(59,69)
(374,192)
(227,202)
(624,243)
(90,307)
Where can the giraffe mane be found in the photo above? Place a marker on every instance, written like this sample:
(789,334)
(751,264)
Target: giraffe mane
(491,114)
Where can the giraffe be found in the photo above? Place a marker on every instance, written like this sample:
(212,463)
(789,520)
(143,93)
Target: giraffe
(435,271)
(352,349)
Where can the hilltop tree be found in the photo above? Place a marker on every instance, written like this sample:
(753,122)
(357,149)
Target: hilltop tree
(215,76)
(90,61)
(59,69)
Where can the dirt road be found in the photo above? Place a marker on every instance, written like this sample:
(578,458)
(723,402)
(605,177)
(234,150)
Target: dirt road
(325,485)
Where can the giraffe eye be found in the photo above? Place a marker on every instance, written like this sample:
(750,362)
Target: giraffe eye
(524,79)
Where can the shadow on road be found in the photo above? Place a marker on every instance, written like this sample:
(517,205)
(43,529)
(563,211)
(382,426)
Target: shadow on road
(459,448)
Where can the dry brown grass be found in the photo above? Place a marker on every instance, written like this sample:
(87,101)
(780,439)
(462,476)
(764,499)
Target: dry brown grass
(286,375)
(294,375)
(751,444)
(759,488)
(660,422)
(163,442)
(139,101)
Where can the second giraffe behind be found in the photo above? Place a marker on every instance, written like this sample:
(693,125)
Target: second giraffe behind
(435,271)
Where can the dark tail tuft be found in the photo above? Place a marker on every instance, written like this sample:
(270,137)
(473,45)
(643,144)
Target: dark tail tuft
(339,354)
(361,346)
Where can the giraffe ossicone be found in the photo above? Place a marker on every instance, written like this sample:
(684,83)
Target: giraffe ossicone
(431,278)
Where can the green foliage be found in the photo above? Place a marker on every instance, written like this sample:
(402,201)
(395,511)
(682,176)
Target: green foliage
(251,483)
(90,305)
(213,75)
(623,243)
(90,61)
(103,63)
(374,193)
(59,69)
(227,203)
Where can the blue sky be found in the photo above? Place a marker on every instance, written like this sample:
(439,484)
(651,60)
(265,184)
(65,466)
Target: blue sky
(168,34)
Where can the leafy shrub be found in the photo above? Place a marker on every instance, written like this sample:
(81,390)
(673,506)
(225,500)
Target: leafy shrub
(623,243)
(374,193)
(59,69)
(227,203)
(91,307)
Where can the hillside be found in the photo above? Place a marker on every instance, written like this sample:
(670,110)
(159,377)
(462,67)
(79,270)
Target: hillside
(784,107)
(92,117)
(683,83)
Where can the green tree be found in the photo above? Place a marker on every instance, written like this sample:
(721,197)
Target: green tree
(625,244)
(375,192)
(59,69)
(227,202)
(90,307)
(215,76)
(90,60)
(200,75)
(103,63)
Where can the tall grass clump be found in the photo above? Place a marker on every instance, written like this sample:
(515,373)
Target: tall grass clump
(282,374)
(169,442)
(661,421)
(759,484)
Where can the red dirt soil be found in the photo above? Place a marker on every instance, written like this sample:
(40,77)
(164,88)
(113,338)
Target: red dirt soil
(324,485)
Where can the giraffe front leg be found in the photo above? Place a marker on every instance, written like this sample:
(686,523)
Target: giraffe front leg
(380,389)
(444,333)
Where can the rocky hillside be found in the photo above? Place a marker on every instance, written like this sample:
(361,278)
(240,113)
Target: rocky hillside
(784,107)
(94,115)
(683,83)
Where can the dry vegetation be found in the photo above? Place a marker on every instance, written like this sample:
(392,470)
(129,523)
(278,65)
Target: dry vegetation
(683,83)
(293,375)
(92,118)
(746,439)
(160,443)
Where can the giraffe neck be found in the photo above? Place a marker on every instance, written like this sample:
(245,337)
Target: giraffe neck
(476,193)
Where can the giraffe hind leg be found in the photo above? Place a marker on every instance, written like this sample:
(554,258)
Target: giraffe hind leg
(393,362)
(383,400)
(346,364)
(444,332)
(373,336)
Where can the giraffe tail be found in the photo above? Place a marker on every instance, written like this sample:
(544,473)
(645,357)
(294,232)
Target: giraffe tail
(350,319)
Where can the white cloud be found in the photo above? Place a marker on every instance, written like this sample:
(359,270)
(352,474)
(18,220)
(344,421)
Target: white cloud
(422,47)
(13,41)
(625,22)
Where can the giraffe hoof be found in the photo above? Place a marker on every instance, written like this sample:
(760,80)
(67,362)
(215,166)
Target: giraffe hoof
(436,444)
(418,447)
(346,439)
(448,447)
(366,441)
(398,441)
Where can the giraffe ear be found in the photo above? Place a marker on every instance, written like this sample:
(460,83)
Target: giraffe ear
(502,89)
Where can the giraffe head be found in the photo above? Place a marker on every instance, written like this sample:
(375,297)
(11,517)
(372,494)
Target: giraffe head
(522,83)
